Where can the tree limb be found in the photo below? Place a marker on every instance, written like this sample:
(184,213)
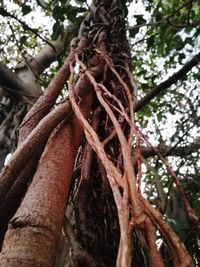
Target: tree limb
(170,81)
(180,151)
(13,83)
(37,137)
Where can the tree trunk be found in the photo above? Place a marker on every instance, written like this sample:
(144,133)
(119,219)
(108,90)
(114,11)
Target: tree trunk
(117,226)
(34,232)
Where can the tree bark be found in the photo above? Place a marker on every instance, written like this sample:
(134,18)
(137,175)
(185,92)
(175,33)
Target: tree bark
(33,234)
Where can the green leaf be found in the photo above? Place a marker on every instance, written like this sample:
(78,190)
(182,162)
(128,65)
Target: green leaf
(189,40)
(26,9)
(175,226)
(159,116)
(147,111)
(133,31)
(178,43)
(3,12)
(144,85)
(139,19)
(23,39)
(196,205)
(189,28)
(42,3)
(181,56)
(57,30)
(150,41)
(72,12)
(58,13)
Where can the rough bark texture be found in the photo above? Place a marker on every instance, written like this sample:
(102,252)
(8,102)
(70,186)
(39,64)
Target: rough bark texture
(35,229)
(14,195)
(37,137)
(21,88)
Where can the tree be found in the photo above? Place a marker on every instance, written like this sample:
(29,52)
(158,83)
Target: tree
(84,185)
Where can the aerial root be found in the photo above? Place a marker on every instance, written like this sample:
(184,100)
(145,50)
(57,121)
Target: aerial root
(134,212)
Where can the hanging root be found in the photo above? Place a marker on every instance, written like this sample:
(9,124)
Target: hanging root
(134,213)
(113,221)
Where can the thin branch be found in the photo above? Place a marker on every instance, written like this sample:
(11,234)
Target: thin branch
(158,183)
(167,83)
(193,217)
(164,20)
(189,11)
(5,13)
(180,151)
(182,25)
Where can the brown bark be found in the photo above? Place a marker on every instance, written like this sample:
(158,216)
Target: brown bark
(13,193)
(33,117)
(10,80)
(36,139)
(27,149)
(47,100)
(33,234)
(14,197)
(30,141)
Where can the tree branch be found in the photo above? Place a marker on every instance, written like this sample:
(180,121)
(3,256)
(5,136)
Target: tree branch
(177,151)
(164,20)
(12,82)
(5,13)
(170,81)
(22,81)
